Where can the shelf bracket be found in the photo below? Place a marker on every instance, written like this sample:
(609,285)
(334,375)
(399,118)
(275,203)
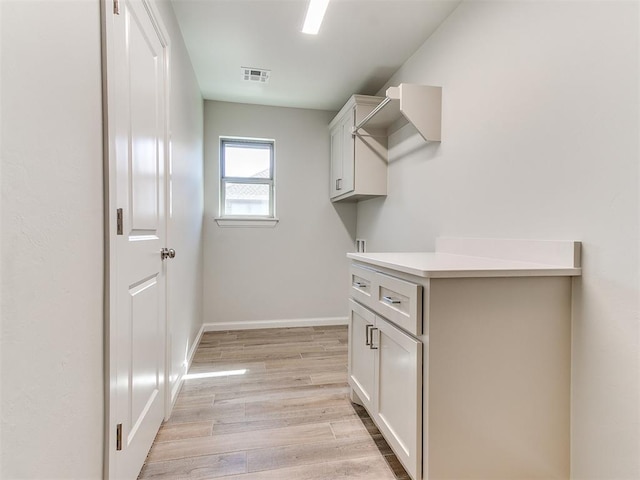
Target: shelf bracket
(421,105)
(373,113)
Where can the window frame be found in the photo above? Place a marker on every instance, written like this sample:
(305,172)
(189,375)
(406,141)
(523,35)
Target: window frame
(225,219)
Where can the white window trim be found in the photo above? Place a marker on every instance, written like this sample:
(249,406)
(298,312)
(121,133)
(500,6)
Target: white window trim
(247,220)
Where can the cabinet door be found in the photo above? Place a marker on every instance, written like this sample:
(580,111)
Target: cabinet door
(348,152)
(361,355)
(336,161)
(398,395)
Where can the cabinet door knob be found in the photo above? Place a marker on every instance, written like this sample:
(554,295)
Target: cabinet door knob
(391,300)
(339,184)
(367,340)
(360,284)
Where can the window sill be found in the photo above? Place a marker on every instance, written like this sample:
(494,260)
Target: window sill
(246,222)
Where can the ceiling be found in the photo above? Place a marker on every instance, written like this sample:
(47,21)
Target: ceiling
(360,45)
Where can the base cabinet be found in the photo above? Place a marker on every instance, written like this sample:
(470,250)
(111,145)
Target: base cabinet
(385,372)
(470,377)
(361,355)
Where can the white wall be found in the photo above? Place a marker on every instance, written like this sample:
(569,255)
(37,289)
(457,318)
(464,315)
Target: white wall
(185,223)
(52,233)
(52,240)
(297,269)
(540,140)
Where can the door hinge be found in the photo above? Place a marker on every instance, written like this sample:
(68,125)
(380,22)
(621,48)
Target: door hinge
(119,436)
(116,7)
(119,220)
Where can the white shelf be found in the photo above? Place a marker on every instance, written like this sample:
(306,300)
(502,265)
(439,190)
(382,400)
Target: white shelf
(421,105)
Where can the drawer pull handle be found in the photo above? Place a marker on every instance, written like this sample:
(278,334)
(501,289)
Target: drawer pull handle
(371,345)
(391,300)
(368,333)
(360,284)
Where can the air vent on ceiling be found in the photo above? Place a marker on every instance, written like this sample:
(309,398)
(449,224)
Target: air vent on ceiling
(257,75)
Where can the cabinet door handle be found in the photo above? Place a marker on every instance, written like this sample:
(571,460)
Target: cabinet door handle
(391,300)
(339,184)
(367,340)
(360,284)
(371,345)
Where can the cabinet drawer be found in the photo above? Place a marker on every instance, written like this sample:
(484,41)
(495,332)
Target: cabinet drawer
(399,301)
(362,284)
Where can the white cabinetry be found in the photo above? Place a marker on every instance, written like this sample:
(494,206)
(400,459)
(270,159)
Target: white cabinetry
(463,362)
(358,163)
(385,372)
(361,354)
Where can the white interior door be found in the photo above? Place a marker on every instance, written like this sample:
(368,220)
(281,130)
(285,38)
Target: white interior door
(136,93)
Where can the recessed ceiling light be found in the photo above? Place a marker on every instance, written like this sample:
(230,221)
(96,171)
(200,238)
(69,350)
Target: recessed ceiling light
(315,14)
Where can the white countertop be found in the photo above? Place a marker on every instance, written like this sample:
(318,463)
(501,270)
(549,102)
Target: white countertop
(446,265)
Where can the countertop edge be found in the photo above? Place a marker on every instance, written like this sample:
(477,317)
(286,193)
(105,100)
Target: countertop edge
(533,271)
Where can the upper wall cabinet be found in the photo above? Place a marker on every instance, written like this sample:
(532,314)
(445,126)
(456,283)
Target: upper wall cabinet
(359,136)
(358,162)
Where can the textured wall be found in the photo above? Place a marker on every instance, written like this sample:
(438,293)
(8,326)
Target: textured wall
(297,269)
(52,233)
(540,140)
(185,222)
(52,240)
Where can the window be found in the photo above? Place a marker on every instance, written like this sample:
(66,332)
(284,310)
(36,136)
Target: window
(246,179)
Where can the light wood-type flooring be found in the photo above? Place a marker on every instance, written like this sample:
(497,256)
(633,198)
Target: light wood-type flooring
(270,404)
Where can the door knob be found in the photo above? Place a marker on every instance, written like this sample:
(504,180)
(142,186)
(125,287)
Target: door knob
(167,253)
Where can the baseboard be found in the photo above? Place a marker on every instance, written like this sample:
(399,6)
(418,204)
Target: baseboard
(294,322)
(192,351)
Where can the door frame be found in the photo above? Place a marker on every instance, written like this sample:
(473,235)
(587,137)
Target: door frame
(107,8)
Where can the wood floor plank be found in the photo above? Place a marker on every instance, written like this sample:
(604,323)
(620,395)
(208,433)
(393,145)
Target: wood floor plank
(301,391)
(368,468)
(234,442)
(257,341)
(264,349)
(343,347)
(179,431)
(220,367)
(206,413)
(287,407)
(325,353)
(356,427)
(259,357)
(307,366)
(252,383)
(306,362)
(285,419)
(190,401)
(331,377)
(196,468)
(307,454)
(270,404)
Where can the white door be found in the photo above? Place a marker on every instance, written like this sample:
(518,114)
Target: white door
(136,114)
